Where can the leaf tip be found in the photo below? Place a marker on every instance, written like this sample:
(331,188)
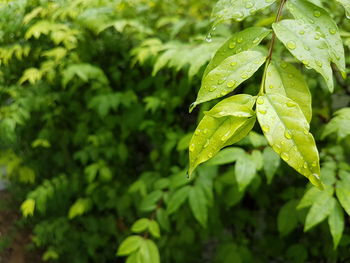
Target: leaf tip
(316,181)
(192,106)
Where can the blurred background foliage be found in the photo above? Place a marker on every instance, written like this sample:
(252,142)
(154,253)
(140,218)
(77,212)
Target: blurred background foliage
(95,129)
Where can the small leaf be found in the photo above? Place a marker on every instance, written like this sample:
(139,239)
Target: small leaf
(177,199)
(319,210)
(198,204)
(28,207)
(245,171)
(339,124)
(227,155)
(336,223)
(212,133)
(309,48)
(241,41)
(287,131)
(283,78)
(149,203)
(140,225)
(149,252)
(227,76)
(129,245)
(309,197)
(80,207)
(324,25)
(343,194)
(237,10)
(271,163)
(287,218)
(163,219)
(153,228)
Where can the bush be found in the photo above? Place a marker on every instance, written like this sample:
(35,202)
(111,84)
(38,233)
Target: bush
(95,132)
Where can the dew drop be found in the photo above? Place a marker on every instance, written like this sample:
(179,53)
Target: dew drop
(192,148)
(305,165)
(206,144)
(224,138)
(317,13)
(220,81)
(240,40)
(238,15)
(276,148)
(306,47)
(285,156)
(260,100)
(317,37)
(249,5)
(232,45)
(306,62)
(197,132)
(291,45)
(205,131)
(210,155)
(284,65)
(233,64)
(271,87)
(283,142)
(316,176)
(208,38)
(332,31)
(288,134)
(265,128)
(301,32)
(262,111)
(256,40)
(306,132)
(244,76)
(212,88)
(223,93)
(231,83)
(290,104)
(314,164)
(318,63)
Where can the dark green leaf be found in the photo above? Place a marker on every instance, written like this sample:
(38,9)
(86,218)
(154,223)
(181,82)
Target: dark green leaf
(271,163)
(198,204)
(287,218)
(177,198)
(343,194)
(336,223)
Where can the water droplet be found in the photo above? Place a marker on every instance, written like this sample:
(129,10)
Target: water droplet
(262,111)
(306,62)
(284,64)
(260,100)
(240,40)
(208,38)
(206,144)
(238,16)
(306,47)
(305,165)
(317,13)
(316,176)
(244,76)
(232,45)
(205,131)
(271,87)
(212,88)
(210,155)
(317,37)
(249,5)
(301,32)
(231,83)
(223,93)
(288,134)
(311,21)
(224,138)
(256,40)
(214,28)
(306,132)
(285,156)
(291,45)
(197,132)
(314,164)
(220,81)
(332,31)
(283,142)
(318,63)
(192,106)
(276,148)
(192,148)
(265,128)
(233,64)
(290,104)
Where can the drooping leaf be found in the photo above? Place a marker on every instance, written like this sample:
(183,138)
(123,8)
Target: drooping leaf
(198,204)
(237,10)
(339,124)
(287,130)
(129,245)
(283,78)
(323,25)
(245,171)
(213,133)
(307,46)
(271,163)
(336,223)
(346,5)
(231,72)
(241,41)
(319,210)
(343,195)
(177,199)
(287,218)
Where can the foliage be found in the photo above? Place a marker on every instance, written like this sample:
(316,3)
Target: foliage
(95,129)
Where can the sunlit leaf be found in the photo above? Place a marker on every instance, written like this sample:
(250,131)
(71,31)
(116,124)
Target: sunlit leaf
(336,223)
(323,25)
(140,225)
(287,131)
(241,41)
(307,46)
(237,10)
(245,171)
(309,197)
(229,75)
(283,78)
(129,245)
(28,207)
(153,228)
(149,252)
(198,204)
(213,133)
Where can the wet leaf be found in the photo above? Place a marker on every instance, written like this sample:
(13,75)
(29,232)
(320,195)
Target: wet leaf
(309,48)
(229,75)
(283,78)
(287,131)
(237,10)
(323,25)
(213,133)
(241,41)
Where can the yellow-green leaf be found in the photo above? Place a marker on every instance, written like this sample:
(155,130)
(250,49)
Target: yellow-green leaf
(28,207)
(129,245)
(307,46)
(287,131)
(231,72)
(213,133)
(283,78)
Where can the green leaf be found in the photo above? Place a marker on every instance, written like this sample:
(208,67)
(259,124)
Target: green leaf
(198,204)
(80,207)
(241,41)
(336,223)
(346,5)
(308,47)
(319,210)
(271,163)
(237,10)
(343,194)
(287,218)
(153,228)
(287,131)
(324,25)
(149,252)
(227,155)
(149,203)
(129,245)
(339,124)
(309,197)
(163,219)
(177,199)
(212,133)
(27,207)
(283,78)
(140,225)
(245,171)
(227,76)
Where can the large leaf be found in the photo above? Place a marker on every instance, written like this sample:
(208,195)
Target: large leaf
(285,79)
(149,252)
(198,204)
(323,25)
(241,41)
(287,130)
(214,133)
(307,46)
(237,10)
(346,5)
(228,75)
(320,209)
(336,223)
